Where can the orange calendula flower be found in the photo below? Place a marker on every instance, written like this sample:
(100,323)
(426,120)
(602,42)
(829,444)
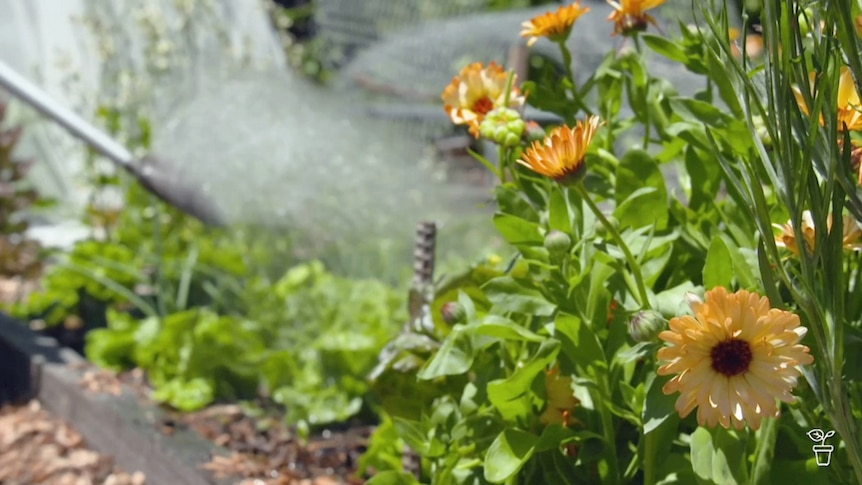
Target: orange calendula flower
(733,359)
(851,233)
(629,15)
(560,397)
(561,154)
(476,91)
(849,106)
(553,25)
(753,43)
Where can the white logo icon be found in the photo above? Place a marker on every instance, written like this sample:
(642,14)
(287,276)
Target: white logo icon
(822,452)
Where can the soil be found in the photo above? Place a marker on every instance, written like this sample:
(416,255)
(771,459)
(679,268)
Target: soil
(266,452)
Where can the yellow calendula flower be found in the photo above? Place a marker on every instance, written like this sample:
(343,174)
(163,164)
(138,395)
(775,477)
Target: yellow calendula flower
(560,398)
(851,233)
(629,15)
(849,106)
(561,154)
(475,92)
(553,25)
(733,359)
(856,161)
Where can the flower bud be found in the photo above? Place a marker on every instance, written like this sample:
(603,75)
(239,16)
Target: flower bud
(693,299)
(557,242)
(453,312)
(645,325)
(761,131)
(504,126)
(804,21)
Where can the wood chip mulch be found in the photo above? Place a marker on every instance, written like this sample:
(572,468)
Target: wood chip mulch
(263,451)
(36,448)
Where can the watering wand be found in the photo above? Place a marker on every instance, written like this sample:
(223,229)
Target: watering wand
(152,172)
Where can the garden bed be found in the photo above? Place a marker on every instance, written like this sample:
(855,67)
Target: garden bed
(37,448)
(114,416)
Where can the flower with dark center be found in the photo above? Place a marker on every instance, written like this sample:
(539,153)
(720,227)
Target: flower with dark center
(733,359)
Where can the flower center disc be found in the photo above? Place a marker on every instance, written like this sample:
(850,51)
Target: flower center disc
(731,357)
(483,106)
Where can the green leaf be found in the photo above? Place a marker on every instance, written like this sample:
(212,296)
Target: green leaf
(676,470)
(186,395)
(671,302)
(385,450)
(416,435)
(508,454)
(744,264)
(665,47)
(110,348)
(658,406)
(764,454)
(705,178)
(555,435)
(393,478)
(640,192)
(518,231)
(504,328)
(512,202)
(454,357)
(510,395)
(718,456)
(719,75)
(718,270)
(508,295)
(801,471)
(581,344)
(694,109)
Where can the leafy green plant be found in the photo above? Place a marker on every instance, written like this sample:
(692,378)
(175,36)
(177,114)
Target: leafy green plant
(555,370)
(307,341)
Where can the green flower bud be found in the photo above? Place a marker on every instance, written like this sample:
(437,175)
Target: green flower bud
(645,325)
(453,312)
(503,126)
(557,242)
(761,131)
(804,20)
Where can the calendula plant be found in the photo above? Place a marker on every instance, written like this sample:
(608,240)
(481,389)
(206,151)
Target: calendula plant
(682,302)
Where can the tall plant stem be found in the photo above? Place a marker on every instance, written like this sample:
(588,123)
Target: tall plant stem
(635,267)
(570,75)
(649,467)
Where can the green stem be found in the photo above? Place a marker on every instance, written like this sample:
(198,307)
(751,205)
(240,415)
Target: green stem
(610,436)
(158,240)
(845,424)
(643,296)
(647,125)
(649,467)
(567,64)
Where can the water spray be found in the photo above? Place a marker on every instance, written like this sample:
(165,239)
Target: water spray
(155,174)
